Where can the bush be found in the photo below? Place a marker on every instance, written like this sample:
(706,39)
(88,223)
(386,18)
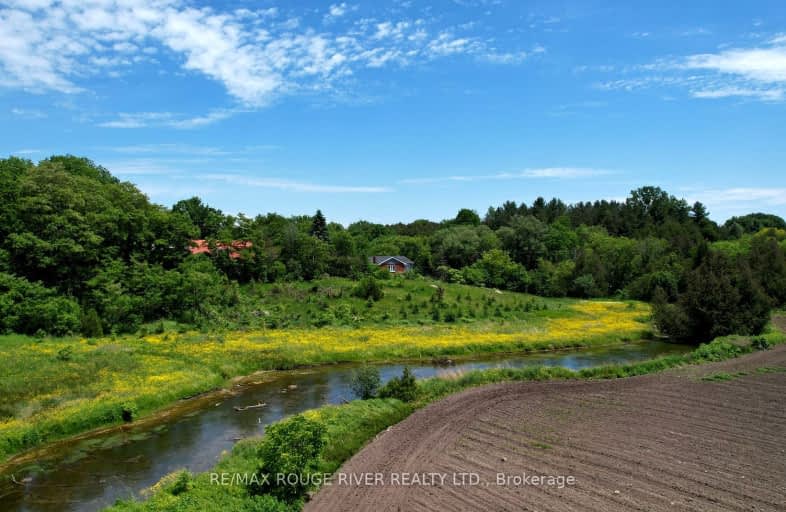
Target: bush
(183,482)
(368,288)
(65,354)
(760,343)
(129,412)
(91,324)
(27,307)
(322,319)
(585,286)
(365,382)
(403,388)
(290,447)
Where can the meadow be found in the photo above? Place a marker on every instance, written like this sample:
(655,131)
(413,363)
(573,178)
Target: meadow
(52,388)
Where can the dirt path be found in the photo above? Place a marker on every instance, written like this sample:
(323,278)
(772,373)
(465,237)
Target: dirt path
(668,441)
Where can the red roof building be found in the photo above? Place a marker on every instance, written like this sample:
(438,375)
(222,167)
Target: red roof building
(234,248)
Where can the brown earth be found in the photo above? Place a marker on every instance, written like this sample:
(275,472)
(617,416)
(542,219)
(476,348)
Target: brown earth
(668,441)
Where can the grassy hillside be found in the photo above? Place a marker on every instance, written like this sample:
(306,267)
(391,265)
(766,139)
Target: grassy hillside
(405,301)
(52,388)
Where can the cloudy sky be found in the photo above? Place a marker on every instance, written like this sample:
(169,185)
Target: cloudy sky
(404,109)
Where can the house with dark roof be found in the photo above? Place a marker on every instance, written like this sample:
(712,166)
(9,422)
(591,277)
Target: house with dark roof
(393,264)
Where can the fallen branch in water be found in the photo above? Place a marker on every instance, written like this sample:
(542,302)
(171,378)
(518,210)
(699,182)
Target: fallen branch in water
(257,406)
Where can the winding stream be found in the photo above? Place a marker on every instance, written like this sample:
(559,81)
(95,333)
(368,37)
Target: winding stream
(92,472)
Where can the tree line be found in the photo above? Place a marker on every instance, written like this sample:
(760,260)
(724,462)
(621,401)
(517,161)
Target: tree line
(81,251)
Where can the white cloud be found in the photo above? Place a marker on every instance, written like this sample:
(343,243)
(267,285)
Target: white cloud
(769,196)
(545,172)
(59,45)
(167,119)
(336,11)
(199,121)
(505,58)
(25,113)
(765,65)
(757,73)
(565,172)
(138,119)
(726,92)
(169,148)
(292,186)
(143,167)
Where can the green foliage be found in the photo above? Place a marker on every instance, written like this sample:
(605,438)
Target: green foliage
(553,280)
(402,388)
(65,354)
(368,288)
(31,307)
(209,221)
(459,246)
(365,382)
(76,243)
(585,286)
(525,240)
(720,297)
(91,324)
(347,428)
(467,216)
(292,447)
(183,482)
(319,227)
(752,223)
(496,269)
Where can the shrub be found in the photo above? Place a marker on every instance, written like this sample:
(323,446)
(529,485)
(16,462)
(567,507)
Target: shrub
(322,319)
(291,447)
(365,382)
(368,288)
(403,388)
(128,412)
(91,324)
(183,482)
(760,343)
(65,354)
(585,286)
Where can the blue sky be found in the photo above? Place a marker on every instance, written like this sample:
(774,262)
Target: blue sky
(400,110)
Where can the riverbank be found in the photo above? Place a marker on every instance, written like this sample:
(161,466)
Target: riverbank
(705,437)
(244,459)
(56,388)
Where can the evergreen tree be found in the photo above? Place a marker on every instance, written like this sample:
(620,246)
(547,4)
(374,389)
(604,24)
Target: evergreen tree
(319,227)
(720,297)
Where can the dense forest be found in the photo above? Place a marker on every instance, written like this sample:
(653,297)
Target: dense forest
(83,252)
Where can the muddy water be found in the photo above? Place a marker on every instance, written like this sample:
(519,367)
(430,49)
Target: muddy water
(93,472)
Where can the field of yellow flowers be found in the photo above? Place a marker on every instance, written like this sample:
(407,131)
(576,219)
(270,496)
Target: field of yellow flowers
(54,388)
